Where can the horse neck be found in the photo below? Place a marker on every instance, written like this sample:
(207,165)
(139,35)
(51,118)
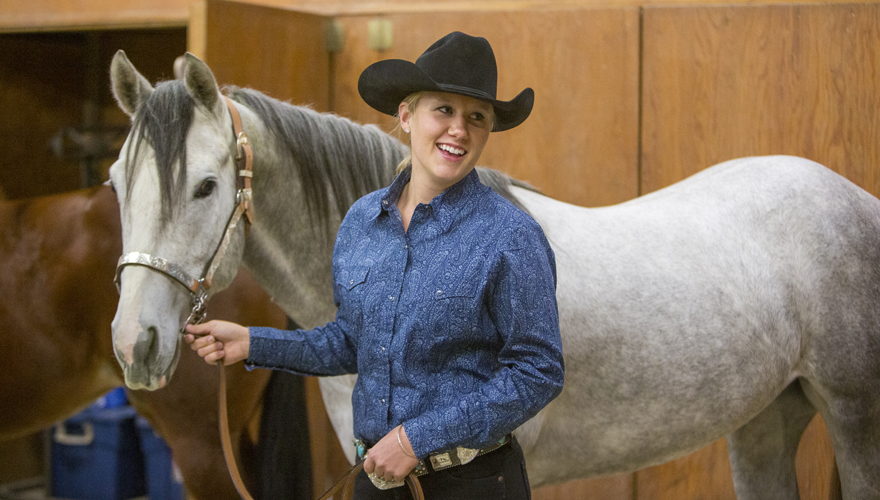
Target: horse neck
(290,247)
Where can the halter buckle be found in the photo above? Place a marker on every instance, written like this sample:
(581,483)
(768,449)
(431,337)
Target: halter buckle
(241,141)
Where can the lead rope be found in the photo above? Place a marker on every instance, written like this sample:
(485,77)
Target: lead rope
(226,439)
(345,483)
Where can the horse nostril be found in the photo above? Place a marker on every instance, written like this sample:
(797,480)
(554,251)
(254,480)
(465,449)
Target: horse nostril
(146,350)
(120,357)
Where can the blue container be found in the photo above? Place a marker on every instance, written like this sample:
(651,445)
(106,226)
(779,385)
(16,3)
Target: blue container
(113,399)
(164,481)
(96,455)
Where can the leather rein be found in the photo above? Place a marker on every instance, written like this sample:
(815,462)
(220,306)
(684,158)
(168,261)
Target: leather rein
(198,289)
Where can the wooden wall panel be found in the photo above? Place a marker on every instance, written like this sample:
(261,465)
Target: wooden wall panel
(706,473)
(281,53)
(58,15)
(580,143)
(726,82)
(354,7)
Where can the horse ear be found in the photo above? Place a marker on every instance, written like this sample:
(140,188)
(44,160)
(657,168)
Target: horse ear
(200,83)
(129,87)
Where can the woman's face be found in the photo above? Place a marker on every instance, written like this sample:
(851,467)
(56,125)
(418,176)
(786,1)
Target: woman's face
(448,133)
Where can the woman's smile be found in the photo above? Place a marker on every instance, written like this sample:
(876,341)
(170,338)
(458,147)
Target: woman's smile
(451,151)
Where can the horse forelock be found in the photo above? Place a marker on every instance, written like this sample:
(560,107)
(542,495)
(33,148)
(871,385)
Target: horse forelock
(163,121)
(337,160)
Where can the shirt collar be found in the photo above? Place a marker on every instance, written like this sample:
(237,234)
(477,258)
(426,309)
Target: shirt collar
(445,206)
(392,193)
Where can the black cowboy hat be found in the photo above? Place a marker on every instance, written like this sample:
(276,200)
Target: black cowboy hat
(458,64)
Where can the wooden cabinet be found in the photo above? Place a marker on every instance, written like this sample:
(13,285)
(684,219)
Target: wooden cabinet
(579,145)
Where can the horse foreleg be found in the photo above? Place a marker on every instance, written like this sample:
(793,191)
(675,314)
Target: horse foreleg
(762,452)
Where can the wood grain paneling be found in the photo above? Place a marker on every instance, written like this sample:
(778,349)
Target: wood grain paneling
(727,82)
(58,15)
(706,474)
(371,7)
(580,143)
(281,53)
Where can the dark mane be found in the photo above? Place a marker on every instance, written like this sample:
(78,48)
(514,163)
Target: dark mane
(337,160)
(163,121)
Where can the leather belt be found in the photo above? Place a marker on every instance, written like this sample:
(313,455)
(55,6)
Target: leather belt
(444,459)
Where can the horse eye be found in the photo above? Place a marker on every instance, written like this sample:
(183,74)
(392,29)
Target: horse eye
(206,188)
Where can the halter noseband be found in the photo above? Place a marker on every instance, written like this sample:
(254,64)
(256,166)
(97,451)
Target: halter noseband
(198,288)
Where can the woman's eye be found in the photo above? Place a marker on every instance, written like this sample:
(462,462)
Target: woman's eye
(206,188)
(444,109)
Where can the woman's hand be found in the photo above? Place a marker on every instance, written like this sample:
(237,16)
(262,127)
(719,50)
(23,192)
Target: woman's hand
(217,340)
(388,460)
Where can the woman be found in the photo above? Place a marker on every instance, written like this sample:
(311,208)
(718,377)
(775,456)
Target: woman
(445,294)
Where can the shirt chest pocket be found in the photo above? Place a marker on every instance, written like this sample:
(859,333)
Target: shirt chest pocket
(351,278)
(457,291)
(351,286)
(455,308)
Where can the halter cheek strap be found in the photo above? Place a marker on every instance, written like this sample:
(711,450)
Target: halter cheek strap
(244,160)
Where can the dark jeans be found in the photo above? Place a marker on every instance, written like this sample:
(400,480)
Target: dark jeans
(500,474)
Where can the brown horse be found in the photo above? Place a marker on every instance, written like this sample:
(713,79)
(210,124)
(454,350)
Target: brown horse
(57,299)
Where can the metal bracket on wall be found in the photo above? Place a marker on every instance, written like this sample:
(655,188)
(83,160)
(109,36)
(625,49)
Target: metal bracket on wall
(335,36)
(381,34)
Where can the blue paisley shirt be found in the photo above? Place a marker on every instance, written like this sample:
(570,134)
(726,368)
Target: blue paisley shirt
(451,326)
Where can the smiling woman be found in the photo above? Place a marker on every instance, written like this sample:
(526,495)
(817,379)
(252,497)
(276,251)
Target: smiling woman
(445,292)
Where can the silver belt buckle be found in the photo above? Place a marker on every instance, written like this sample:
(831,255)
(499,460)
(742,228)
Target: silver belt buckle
(446,460)
(441,461)
(465,455)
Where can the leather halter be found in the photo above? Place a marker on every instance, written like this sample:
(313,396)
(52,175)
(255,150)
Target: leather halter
(198,287)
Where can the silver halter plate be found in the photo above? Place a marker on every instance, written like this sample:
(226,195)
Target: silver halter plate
(198,288)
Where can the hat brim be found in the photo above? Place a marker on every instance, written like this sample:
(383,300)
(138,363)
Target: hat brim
(385,84)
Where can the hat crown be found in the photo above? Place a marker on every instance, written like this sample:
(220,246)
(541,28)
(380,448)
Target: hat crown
(456,64)
(462,61)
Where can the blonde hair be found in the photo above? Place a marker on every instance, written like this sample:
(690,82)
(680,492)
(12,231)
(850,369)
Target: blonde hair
(412,101)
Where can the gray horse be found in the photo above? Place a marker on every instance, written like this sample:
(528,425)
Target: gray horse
(736,303)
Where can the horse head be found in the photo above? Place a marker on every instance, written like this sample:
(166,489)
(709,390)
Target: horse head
(175,180)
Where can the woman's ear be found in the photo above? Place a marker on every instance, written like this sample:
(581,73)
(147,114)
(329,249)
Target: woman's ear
(405,116)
